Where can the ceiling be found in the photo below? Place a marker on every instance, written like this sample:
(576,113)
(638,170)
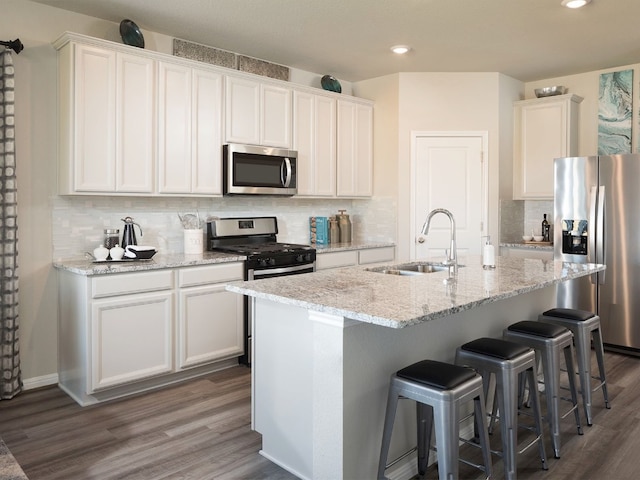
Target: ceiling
(351,39)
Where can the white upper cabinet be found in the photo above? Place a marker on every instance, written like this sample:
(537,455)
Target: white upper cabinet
(190,130)
(544,129)
(106,121)
(355,149)
(257,113)
(314,138)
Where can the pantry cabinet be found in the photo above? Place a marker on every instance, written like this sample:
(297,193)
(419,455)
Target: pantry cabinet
(354,149)
(124,333)
(190,130)
(107,121)
(314,138)
(544,129)
(257,113)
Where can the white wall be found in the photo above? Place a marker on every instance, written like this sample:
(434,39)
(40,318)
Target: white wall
(439,102)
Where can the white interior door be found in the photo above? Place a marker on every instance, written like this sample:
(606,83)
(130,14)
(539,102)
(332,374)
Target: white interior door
(448,172)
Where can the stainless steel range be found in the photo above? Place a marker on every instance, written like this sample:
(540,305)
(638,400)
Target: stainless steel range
(255,237)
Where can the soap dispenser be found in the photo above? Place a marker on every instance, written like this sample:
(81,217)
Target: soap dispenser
(488,255)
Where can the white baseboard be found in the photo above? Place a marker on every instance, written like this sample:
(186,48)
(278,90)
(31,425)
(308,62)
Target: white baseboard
(37,382)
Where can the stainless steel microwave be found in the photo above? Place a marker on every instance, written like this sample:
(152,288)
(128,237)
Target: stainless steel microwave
(255,170)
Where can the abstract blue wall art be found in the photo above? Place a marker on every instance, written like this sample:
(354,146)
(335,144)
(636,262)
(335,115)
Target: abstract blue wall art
(615,112)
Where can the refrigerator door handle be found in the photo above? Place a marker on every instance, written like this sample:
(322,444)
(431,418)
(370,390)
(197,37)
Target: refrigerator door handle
(600,250)
(593,229)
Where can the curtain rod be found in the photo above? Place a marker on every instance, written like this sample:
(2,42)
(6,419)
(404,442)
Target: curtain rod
(15,45)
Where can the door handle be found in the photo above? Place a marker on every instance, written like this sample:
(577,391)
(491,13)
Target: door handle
(600,250)
(285,172)
(421,239)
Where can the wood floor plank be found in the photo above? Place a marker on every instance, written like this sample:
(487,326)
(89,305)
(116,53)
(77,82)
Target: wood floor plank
(200,430)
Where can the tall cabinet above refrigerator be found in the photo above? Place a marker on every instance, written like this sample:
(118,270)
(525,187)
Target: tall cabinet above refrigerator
(597,220)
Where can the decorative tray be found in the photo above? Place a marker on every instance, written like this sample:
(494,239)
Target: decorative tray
(532,242)
(124,260)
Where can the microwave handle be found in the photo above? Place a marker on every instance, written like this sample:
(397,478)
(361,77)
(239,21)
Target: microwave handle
(285,172)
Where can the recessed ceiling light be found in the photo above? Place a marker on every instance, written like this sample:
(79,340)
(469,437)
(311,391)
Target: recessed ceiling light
(574,3)
(400,49)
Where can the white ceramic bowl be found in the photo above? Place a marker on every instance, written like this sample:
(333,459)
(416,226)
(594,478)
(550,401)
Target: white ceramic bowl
(527,238)
(538,238)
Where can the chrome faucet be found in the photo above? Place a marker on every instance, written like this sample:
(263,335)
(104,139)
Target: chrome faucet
(452,255)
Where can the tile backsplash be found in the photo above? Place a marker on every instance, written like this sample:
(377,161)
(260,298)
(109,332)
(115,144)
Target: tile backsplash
(519,217)
(79,222)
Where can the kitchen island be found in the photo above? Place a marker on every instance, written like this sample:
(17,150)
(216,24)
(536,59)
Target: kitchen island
(326,343)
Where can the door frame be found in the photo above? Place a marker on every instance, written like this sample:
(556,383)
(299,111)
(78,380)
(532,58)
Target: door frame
(415,135)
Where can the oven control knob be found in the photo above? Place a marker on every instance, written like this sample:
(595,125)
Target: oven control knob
(262,262)
(299,258)
(271,261)
(307,257)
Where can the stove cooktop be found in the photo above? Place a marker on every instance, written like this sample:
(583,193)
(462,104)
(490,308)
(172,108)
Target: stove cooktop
(265,248)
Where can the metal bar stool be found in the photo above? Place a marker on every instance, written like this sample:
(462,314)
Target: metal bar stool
(549,341)
(439,390)
(583,325)
(506,360)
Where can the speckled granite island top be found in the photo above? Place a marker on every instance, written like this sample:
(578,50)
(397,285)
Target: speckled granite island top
(399,301)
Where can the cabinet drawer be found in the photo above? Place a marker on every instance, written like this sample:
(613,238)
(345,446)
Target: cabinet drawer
(376,255)
(128,283)
(337,259)
(225,272)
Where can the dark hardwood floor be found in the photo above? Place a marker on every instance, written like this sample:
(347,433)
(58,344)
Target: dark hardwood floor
(200,429)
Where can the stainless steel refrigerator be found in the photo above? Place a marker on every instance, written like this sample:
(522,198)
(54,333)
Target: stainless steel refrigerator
(597,220)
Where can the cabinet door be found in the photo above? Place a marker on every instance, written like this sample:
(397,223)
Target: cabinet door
(545,129)
(304,141)
(354,149)
(174,125)
(242,123)
(275,116)
(210,325)
(135,124)
(315,141)
(94,124)
(130,339)
(206,171)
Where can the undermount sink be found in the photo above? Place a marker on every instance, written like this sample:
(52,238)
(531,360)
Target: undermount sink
(412,268)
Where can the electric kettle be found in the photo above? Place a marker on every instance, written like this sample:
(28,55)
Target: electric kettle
(128,234)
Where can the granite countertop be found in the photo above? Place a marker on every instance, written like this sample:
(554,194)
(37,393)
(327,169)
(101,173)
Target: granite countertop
(529,245)
(340,247)
(399,301)
(85,266)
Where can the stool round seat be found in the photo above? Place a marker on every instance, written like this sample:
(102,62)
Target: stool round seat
(550,341)
(506,360)
(585,326)
(439,390)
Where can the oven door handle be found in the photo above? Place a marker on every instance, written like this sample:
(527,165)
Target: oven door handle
(285,172)
(271,271)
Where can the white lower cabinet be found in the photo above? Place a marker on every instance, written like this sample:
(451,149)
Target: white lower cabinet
(131,338)
(350,258)
(210,321)
(125,333)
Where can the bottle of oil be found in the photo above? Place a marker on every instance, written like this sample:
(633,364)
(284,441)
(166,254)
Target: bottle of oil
(545,229)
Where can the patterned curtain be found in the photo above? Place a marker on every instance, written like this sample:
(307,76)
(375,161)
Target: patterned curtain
(10,379)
